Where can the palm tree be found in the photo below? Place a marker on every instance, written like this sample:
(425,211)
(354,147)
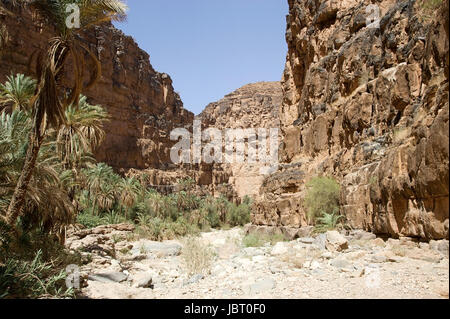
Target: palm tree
(48,107)
(101,182)
(81,133)
(105,197)
(47,203)
(129,190)
(14,130)
(17,92)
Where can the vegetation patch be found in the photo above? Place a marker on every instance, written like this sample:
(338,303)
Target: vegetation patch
(322,203)
(259,240)
(197,256)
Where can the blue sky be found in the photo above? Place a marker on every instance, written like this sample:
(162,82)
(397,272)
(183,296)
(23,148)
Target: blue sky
(210,47)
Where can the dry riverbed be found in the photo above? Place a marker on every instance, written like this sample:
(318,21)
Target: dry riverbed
(331,265)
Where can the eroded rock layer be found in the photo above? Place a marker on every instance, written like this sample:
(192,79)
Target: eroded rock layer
(253,106)
(143,105)
(367,104)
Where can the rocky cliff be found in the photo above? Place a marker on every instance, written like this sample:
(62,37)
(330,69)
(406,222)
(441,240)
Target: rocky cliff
(143,105)
(252,106)
(365,101)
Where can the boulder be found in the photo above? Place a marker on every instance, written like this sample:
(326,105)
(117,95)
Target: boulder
(110,277)
(440,246)
(335,241)
(159,249)
(279,249)
(143,280)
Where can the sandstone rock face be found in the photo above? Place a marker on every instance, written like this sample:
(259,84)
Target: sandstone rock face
(253,106)
(368,105)
(143,105)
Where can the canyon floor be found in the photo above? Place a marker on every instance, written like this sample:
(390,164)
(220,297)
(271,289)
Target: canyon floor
(357,265)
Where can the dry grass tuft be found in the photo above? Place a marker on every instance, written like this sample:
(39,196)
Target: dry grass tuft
(197,256)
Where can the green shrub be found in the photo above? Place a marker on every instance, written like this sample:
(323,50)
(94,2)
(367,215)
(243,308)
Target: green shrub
(89,220)
(5,240)
(238,215)
(155,229)
(32,279)
(323,196)
(252,240)
(259,240)
(219,212)
(210,210)
(182,228)
(143,219)
(198,218)
(113,218)
(328,222)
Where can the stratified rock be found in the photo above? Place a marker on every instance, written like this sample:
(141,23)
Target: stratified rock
(142,102)
(368,106)
(252,106)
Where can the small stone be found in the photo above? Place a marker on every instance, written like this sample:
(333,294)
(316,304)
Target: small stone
(320,241)
(355,255)
(194,279)
(441,246)
(327,255)
(262,286)
(307,240)
(279,249)
(379,259)
(362,235)
(144,280)
(378,242)
(335,241)
(305,231)
(117,277)
(340,263)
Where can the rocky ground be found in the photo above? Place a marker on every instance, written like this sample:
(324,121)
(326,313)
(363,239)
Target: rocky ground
(331,265)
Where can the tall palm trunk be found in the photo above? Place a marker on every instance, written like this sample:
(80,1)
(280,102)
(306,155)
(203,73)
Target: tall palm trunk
(18,200)
(46,96)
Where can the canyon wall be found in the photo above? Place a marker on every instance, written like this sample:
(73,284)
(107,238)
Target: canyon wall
(142,103)
(253,106)
(368,105)
(363,99)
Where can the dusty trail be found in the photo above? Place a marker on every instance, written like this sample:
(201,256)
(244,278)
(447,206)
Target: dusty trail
(304,268)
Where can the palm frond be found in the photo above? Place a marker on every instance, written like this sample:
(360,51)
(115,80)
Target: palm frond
(17,92)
